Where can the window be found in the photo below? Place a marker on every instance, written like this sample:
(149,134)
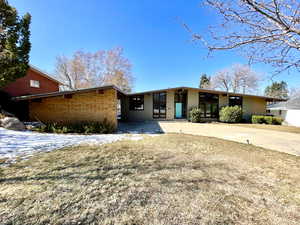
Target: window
(159,105)
(236,100)
(34,83)
(209,105)
(136,103)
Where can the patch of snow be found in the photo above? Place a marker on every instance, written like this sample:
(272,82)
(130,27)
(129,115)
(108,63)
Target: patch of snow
(24,144)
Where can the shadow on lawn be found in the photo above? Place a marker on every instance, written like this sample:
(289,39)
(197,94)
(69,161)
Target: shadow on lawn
(164,173)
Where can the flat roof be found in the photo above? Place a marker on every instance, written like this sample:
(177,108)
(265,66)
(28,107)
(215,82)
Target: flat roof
(58,93)
(61,93)
(210,91)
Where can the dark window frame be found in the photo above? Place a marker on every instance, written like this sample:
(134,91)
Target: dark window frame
(207,101)
(135,102)
(234,100)
(159,102)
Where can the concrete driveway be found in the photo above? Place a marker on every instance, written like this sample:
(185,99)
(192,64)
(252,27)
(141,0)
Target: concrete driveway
(276,140)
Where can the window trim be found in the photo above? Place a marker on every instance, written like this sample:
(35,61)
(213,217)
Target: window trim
(132,101)
(235,96)
(162,101)
(33,82)
(208,103)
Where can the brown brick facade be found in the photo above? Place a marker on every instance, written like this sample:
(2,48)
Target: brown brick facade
(90,106)
(22,85)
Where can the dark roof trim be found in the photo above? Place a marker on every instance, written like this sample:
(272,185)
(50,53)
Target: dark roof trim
(210,91)
(44,74)
(61,93)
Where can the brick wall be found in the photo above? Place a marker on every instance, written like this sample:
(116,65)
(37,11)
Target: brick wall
(90,106)
(22,85)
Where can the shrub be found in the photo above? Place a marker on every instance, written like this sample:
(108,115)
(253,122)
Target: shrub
(268,119)
(83,127)
(231,114)
(195,115)
(277,121)
(257,119)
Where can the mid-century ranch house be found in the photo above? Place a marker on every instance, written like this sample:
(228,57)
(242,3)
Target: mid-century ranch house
(97,104)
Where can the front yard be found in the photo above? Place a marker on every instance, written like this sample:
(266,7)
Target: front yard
(166,179)
(16,145)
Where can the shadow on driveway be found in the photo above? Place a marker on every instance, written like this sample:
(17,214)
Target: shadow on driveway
(145,127)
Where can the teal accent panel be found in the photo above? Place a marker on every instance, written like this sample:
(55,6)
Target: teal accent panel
(178,109)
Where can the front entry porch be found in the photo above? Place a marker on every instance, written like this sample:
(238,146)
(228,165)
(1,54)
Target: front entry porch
(180,104)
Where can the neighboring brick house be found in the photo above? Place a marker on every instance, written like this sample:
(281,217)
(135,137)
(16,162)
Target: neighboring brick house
(35,82)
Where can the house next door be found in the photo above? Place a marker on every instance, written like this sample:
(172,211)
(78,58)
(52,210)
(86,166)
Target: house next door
(159,105)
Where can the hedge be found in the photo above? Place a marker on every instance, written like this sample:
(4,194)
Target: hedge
(258,119)
(83,127)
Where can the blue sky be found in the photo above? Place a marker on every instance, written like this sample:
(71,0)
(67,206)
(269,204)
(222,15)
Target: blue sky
(150,32)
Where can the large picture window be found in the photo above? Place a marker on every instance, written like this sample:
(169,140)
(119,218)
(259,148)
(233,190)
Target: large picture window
(209,105)
(236,100)
(159,105)
(136,103)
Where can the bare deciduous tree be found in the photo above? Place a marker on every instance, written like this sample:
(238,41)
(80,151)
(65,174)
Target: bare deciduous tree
(86,69)
(222,80)
(244,79)
(238,78)
(265,31)
(294,93)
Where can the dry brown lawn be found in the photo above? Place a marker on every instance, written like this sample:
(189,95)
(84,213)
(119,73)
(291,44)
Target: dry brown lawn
(167,179)
(280,128)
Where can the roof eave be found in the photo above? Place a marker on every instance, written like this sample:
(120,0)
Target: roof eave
(61,93)
(209,91)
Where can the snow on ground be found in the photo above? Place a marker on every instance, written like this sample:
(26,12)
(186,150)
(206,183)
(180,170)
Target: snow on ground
(24,144)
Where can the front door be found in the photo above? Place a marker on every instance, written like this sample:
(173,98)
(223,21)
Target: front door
(180,104)
(159,105)
(178,110)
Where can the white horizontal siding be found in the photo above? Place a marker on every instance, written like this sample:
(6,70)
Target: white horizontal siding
(293,117)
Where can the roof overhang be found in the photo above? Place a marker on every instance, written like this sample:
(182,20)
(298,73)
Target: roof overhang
(61,93)
(66,93)
(277,108)
(271,99)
